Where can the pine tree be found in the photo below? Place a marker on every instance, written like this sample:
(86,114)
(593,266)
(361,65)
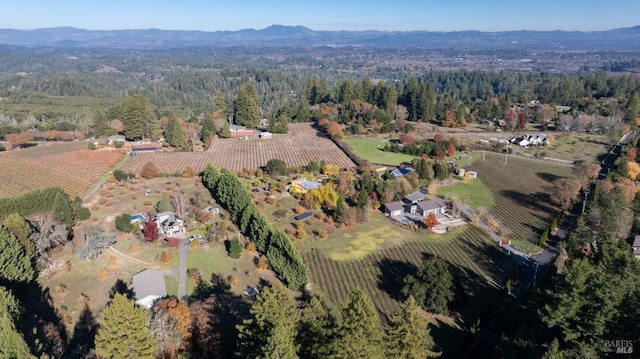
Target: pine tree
(15,264)
(225,131)
(272,329)
(62,209)
(315,330)
(13,343)
(247,109)
(100,126)
(174,134)
(125,331)
(208,129)
(359,334)
(432,286)
(20,228)
(408,335)
(138,117)
(235,248)
(219,103)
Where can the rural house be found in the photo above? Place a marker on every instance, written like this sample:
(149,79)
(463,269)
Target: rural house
(302,185)
(240,131)
(415,204)
(148,286)
(169,224)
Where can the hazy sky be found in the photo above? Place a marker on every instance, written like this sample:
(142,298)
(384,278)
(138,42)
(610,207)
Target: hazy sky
(211,15)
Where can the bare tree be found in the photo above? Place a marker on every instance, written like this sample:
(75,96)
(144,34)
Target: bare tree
(95,241)
(179,201)
(50,232)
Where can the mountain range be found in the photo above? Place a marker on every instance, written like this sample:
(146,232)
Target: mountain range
(623,39)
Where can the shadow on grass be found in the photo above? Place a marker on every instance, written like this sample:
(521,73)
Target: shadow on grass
(218,310)
(84,334)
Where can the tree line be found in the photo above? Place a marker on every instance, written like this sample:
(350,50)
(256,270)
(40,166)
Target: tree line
(282,256)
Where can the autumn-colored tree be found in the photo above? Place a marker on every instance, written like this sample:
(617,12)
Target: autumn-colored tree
(18,139)
(406,138)
(451,150)
(587,171)
(439,153)
(150,230)
(522,121)
(171,322)
(149,170)
(334,130)
(301,233)
(634,170)
(431,220)
(188,172)
(632,155)
(565,192)
(262,264)
(173,242)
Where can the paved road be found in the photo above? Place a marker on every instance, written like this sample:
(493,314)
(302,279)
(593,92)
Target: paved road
(182,269)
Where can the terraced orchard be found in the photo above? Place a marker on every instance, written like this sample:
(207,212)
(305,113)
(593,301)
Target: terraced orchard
(69,165)
(302,144)
(521,190)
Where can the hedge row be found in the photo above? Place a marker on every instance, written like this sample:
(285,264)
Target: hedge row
(283,257)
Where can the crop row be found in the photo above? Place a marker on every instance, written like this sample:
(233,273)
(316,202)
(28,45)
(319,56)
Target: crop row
(74,170)
(380,274)
(302,144)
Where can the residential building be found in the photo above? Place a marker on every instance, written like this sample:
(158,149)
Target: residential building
(169,224)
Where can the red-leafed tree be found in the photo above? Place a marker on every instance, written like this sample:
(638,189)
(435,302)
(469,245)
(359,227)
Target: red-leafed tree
(173,242)
(439,153)
(632,155)
(451,150)
(150,231)
(522,121)
(431,220)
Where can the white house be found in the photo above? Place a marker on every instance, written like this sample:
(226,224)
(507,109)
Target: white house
(169,224)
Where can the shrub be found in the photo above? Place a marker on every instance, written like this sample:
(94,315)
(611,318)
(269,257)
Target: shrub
(91,146)
(149,170)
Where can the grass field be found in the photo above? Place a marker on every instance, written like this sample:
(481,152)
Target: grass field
(216,261)
(474,193)
(574,147)
(369,149)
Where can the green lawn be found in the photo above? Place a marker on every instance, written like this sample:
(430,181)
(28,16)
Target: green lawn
(472,192)
(369,148)
(216,261)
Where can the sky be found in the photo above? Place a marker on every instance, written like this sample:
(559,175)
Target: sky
(352,15)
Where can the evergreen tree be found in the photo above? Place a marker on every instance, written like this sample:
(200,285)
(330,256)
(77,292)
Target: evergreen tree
(235,248)
(173,132)
(13,343)
(271,331)
(138,117)
(315,331)
(100,126)
(359,334)
(432,286)
(633,108)
(15,263)
(408,335)
(62,209)
(164,204)
(19,227)
(208,129)
(225,131)
(219,104)
(247,109)
(125,331)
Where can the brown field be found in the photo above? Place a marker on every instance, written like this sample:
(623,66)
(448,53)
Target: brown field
(70,165)
(301,145)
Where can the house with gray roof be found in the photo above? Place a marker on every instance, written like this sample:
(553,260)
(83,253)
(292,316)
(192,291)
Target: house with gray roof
(148,286)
